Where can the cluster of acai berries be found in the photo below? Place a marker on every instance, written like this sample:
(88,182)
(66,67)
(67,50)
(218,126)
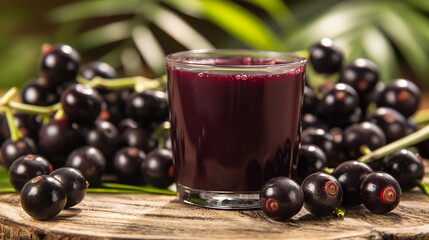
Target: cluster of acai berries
(83,118)
(342,121)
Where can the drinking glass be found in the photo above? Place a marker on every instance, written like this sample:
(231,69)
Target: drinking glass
(235,123)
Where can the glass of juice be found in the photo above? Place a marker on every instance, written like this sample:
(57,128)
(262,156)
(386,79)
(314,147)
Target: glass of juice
(235,123)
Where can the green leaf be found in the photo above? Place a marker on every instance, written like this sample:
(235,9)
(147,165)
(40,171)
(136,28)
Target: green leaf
(5,186)
(105,34)
(241,24)
(405,40)
(19,61)
(142,189)
(149,48)
(176,27)
(421,4)
(344,19)
(95,8)
(277,10)
(378,48)
(424,187)
(417,22)
(131,60)
(191,8)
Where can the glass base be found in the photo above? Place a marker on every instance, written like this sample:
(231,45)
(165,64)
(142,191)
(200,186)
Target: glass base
(219,199)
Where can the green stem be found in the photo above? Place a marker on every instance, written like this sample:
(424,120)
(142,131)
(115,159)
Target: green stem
(328,170)
(144,84)
(33,109)
(139,83)
(422,117)
(59,114)
(108,83)
(15,135)
(5,99)
(424,187)
(340,211)
(364,149)
(404,142)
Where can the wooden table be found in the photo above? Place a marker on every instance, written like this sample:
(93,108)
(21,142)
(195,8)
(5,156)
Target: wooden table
(148,216)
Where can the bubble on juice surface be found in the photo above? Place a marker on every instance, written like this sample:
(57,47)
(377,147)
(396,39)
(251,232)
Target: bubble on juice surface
(238,77)
(243,77)
(200,74)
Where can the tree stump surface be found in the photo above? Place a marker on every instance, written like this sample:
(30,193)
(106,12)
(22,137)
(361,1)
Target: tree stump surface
(149,216)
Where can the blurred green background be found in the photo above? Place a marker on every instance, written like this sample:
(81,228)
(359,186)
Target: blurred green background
(135,35)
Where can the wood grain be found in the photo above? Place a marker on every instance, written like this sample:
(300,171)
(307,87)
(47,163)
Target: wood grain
(146,216)
(150,216)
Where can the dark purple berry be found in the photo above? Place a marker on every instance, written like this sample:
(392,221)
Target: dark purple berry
(10,150)
(340,106)
(406,167)
(167,143)
(310,120)
(89,161)
(393,124)
(338,135)
(322,193)
(35,93)
(311,159)
(28,125)
(126,123)
(97,68)
(139,138)
(57,139)
(81,103)
(380,192)
(157,169)
(43,197)
(59,64)
(106,138)
(362,74)
(127,165)
(310,101)
(401,95)
(27,167)
(362,135)
(147,107)
(320,138)
(349,174)
(325,56)
(281,198)
(73,182)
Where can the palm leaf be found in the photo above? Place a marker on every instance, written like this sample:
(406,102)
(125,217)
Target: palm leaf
(241,24)
(131,61)
(176,27)
(405,41)
(91,9)
(420,4)
(278,10)
(149,48)
(105,34)
(191,8)
(378,48)
(343,19)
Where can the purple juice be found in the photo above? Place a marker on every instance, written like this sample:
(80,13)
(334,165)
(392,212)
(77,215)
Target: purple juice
(233,132)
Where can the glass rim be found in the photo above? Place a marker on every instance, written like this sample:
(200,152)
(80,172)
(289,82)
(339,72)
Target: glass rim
(177,59)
